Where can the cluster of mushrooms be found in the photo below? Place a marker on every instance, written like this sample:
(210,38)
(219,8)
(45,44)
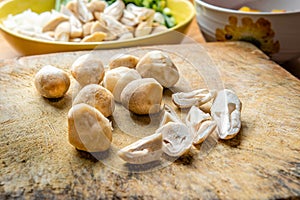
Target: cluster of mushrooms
(137,84)
(96,21)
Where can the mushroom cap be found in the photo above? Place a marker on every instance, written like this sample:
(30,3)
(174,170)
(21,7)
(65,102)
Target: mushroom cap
(115,80)
(145,150)
(52,82)
(158,65)
(88,69)
(226,111)
(98,97)
(142,96)
(177,140)
(88,129)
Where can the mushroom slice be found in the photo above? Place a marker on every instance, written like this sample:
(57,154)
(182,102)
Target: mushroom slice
(83,12)
(177,140)
(124,60)
(88,129)
(169,116)
(141,13)
(194,98)
(62,32)
(115,80)
(158,65)
(88,69)
(96,6)
(142,96)
(129,19)
(226,111)
(86,28)
(99,26)
(113,25)
(158,29)
(94,37)
(200,124)
(144,27)
(76,26)
(115,9)
(145,150)
(53,23)
(97,96)
(126,36)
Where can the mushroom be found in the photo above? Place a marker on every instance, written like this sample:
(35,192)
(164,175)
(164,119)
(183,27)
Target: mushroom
(115,9)
(144,27)
(128,18)
(98,97)
(124,60)
(116,79)
(226,111)
(53,23)
(88,129)
(96,6)
(141,13)
(200,124)
(88,69)
(169,116)
(94,37)
(86,28)
(145,150)
(158,65)
(177,140)
(76,26)
(194,98)
(142,96)
(99,26)
(83,12)
(62,32)
(51,82)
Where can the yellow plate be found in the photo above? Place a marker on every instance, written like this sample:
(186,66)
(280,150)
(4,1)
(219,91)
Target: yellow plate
(182,10)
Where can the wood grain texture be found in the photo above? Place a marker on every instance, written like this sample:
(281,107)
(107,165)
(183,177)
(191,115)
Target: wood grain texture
(262,162)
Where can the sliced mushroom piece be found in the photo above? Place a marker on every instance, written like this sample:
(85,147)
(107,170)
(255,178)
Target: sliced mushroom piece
(169,116)
(62,32)
(226,111)
(200,124)
(141,13)
(158,65)
(142,96)
(177,140)
(115,9)
(87,69)
(98,97)
(115,80)
(113,25)
(96,6)
(158,29)
(129,19)
(144,27)
(123,60)
(94,37)
(86,28)
(73,7)
(51,82)
(125,36)
(84,14)
(53,23)
(194,98)
(101,27)
(76,26)
(145,150)
(88,129)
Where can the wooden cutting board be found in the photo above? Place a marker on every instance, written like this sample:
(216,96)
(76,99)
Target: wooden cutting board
(262,162)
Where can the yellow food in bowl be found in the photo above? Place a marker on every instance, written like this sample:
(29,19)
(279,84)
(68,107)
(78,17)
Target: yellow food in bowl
(182,10)
(248,9)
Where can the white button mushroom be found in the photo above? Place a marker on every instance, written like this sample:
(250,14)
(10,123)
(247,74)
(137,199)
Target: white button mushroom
(226,111)
(145,150)
(116,79)
(52,82)
(142,96)
(177,140)
(88,69)
(200,124)
(88,129)
(98,97)
(194,98)
(169,116)
(158,65)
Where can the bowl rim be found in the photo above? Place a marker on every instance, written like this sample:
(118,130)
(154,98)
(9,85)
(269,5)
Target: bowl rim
(228,10)
(187,20)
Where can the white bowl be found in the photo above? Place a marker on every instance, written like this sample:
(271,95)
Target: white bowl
(277,34)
